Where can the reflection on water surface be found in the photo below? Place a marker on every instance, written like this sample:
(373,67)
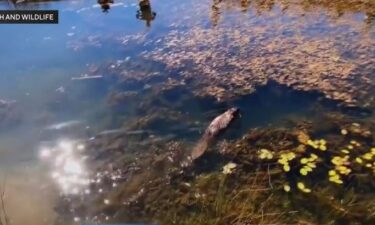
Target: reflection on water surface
(67,166)
(99,114)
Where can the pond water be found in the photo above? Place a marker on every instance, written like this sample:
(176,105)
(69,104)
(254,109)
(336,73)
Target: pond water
(92,108)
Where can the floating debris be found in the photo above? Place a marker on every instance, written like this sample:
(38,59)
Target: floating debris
(64,125)
(87,77)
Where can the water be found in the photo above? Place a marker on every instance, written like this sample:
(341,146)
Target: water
(112,83)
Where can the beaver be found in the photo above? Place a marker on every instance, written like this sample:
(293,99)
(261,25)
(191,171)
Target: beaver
(216,126)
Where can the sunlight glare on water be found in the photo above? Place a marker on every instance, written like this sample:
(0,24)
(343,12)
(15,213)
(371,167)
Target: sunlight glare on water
(67,166)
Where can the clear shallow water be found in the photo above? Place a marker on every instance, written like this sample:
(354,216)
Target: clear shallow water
(200,48)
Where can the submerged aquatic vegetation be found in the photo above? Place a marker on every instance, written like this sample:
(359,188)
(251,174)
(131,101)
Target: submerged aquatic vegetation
(258,190)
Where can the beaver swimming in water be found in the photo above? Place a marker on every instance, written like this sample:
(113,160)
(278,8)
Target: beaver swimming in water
(216,126)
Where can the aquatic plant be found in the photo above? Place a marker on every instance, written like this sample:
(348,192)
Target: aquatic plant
(265,154)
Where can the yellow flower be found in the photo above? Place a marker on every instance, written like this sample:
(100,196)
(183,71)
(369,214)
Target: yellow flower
(304,160)
(286,188)
(373,151)
(368,165)
(350,147)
